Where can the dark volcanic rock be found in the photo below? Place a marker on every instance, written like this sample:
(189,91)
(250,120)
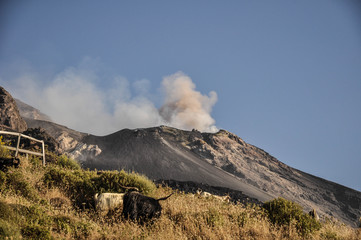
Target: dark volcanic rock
(9,113)
(41,134)
(8,162)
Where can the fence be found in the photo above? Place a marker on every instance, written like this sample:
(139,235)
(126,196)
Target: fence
(19,150)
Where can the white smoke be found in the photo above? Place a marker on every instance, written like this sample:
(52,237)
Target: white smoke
(184,107)
(74,99)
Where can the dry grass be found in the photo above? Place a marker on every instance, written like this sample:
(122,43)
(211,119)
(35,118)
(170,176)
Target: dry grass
(184,216)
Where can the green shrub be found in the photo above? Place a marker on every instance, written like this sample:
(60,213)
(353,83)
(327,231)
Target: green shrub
(82,230)
(213,218)
(16,182)
(330,235)
(76,183)
(37,232)
(63,224)
(9,220)
(36,215)
(78,230)
(8,230)
(33,221)
(283,212)
(6,212)
(114,181)
(35,161)
(4,152)
(3,179)
(81,185)
(69,163)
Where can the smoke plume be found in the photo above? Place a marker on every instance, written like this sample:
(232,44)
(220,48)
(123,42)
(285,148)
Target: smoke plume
(184,107)
(75,98)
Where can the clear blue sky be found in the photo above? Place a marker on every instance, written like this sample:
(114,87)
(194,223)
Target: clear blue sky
(287,73)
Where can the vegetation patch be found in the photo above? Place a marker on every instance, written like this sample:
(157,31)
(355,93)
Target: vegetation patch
(31,197)
(283,212)
(16,182)
(67,163)
(9,230)
(213,218)
(82,185)
(4,152)
(36,232)
(69,226)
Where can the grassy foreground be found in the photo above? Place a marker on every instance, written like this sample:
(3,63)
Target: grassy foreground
(55,202)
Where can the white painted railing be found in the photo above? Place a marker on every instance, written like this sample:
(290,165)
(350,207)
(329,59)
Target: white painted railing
(19,150)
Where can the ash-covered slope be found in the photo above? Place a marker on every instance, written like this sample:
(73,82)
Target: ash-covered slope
(215,159)
(156,153)
(219,159)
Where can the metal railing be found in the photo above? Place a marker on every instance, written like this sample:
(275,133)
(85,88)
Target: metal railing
(19,150)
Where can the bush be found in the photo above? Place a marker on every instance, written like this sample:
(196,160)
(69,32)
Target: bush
(67,225)
(16,182)
(68,163)
(283,212)
(81,185)
(37,215)
(33,221)
(213,218)
(114,181)
(9,230)
(76,183)
(4,152)
(6,212)
(63,224)
(37,232)
(2,181)
(8,222)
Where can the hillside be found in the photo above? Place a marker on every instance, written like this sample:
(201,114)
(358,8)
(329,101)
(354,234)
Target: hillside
(217,159)
(149,153)
(221,159)
(10,117)
(56,202)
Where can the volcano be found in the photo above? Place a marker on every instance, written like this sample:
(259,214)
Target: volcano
(219,159)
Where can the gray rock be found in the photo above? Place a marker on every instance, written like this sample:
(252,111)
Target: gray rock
(27,111)
(9,114)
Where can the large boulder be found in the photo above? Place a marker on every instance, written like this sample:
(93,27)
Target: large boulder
(10,117)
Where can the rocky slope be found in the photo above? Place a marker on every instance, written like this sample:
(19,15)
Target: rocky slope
(256,167)
(220,159)
(28,111)
(10,118)
(153,153)
(69,141)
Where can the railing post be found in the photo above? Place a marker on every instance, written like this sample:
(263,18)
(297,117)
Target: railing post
(43,145)
(18,145)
